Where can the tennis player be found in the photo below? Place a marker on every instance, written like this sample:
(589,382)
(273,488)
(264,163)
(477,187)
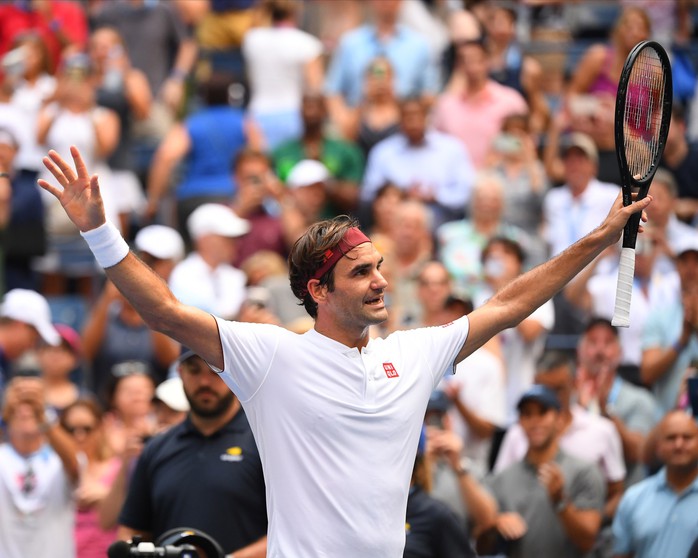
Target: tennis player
(336,415)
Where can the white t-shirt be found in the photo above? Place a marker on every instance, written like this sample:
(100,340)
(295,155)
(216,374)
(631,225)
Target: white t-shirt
(220,290)
(40,522)
(27,101)
(480,378)
(275,58)
(520,357)
(337,430)
(664,289)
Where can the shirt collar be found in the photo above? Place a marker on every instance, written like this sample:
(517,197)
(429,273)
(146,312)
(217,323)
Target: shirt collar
(236,424)
(662,483)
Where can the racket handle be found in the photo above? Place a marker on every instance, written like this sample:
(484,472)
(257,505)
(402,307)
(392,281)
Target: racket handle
(624,290)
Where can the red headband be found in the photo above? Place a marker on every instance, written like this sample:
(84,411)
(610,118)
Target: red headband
(351,240)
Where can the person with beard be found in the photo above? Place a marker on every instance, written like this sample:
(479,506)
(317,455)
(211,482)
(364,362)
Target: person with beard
(204,473)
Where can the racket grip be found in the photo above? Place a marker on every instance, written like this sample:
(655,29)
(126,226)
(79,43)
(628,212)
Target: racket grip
(624,290)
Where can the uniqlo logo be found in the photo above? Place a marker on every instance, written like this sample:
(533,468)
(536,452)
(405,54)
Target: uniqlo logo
(390,370)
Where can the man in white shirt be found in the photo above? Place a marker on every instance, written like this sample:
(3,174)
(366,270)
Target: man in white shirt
(205,278)
(336,415)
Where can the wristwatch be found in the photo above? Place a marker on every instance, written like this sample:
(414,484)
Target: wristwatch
(464,467)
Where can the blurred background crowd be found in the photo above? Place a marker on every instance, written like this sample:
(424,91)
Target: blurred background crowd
(473,139)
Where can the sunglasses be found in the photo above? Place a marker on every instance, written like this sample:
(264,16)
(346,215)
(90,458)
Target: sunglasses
(82,429)
(29,481)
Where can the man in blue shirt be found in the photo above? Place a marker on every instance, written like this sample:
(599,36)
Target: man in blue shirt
(659,516)
(415,73)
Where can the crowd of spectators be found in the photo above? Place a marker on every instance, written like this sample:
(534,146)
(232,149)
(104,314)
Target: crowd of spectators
(472,138)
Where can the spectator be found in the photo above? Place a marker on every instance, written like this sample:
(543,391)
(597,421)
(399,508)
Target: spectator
(657,516)
(515,159)
(600,389)
(34,88)
(161,247)
(460,243)
(226,496)
(129,413)
(681,159)
(59,24)
(74,119)
(126,91)
(430,166)
(207,141)
(595,294)
(478,393)
(592,89)
(669,340)
(475,115)
(523,345)
(256,200)
(570,212)
(510,66)
(170,403)
(668,232)
(407,51)
(25,318)
(377,116)
(38,472)
(433,530)
(282,62)
(343,159)
(583,435)
(158,44)
(205,278)
(433,290)
(21,217)
(83,421)
(113,333)
(550,502)
(56,363)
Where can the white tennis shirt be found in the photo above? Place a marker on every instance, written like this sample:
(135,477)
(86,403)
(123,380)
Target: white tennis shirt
(337,430)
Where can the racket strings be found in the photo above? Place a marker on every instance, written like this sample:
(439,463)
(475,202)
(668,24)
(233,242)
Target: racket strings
(643,115)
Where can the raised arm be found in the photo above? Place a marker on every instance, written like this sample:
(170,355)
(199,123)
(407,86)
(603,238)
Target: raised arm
(522,296)
(80,197)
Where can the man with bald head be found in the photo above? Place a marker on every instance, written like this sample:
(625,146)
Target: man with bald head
(658,516)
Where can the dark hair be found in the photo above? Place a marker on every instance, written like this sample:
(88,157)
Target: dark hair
(216,89)
(90,404)
(280,10)
(555,359)
(307,256)
(248,154)
(595,321)
(510,246)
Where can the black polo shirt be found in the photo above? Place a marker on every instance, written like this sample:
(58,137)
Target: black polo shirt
(214,483)
(433,530)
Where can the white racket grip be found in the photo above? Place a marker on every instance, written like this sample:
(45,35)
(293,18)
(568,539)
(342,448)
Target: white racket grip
(624,290)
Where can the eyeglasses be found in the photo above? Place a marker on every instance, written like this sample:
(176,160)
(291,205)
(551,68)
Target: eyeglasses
(80,429)
(29,480)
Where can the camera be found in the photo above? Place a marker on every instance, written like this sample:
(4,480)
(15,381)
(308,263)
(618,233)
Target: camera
(181,542)
(122,549)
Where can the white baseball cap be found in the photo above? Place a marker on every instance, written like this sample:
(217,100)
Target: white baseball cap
(216,218)
(171,393)
(307,173)
(162,242)
(687,243)
(31,308)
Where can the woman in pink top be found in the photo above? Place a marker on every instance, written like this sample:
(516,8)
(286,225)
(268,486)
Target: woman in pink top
(83,421)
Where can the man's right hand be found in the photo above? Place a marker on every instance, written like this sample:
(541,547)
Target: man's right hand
(79,195)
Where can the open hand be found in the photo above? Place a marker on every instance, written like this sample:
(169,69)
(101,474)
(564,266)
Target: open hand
(79,192)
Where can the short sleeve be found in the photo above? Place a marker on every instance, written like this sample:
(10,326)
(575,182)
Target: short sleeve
(137,511)
(588,489)
(622,526)
(248,351)
(306,47)
(613,462)
(644,413)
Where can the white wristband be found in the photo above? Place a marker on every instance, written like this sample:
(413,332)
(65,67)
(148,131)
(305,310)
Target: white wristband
(107,244)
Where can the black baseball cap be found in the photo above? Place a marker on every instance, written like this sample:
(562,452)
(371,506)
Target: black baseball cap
(541,395)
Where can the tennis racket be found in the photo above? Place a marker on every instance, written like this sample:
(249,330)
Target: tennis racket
(643,113)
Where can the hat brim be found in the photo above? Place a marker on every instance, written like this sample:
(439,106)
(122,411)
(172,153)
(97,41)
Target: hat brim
(48,333)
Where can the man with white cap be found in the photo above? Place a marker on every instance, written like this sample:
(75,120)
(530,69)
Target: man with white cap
(306,197)
(161,247)
(205,278)
(25,318)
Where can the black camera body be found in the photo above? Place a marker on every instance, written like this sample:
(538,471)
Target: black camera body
(183,542)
